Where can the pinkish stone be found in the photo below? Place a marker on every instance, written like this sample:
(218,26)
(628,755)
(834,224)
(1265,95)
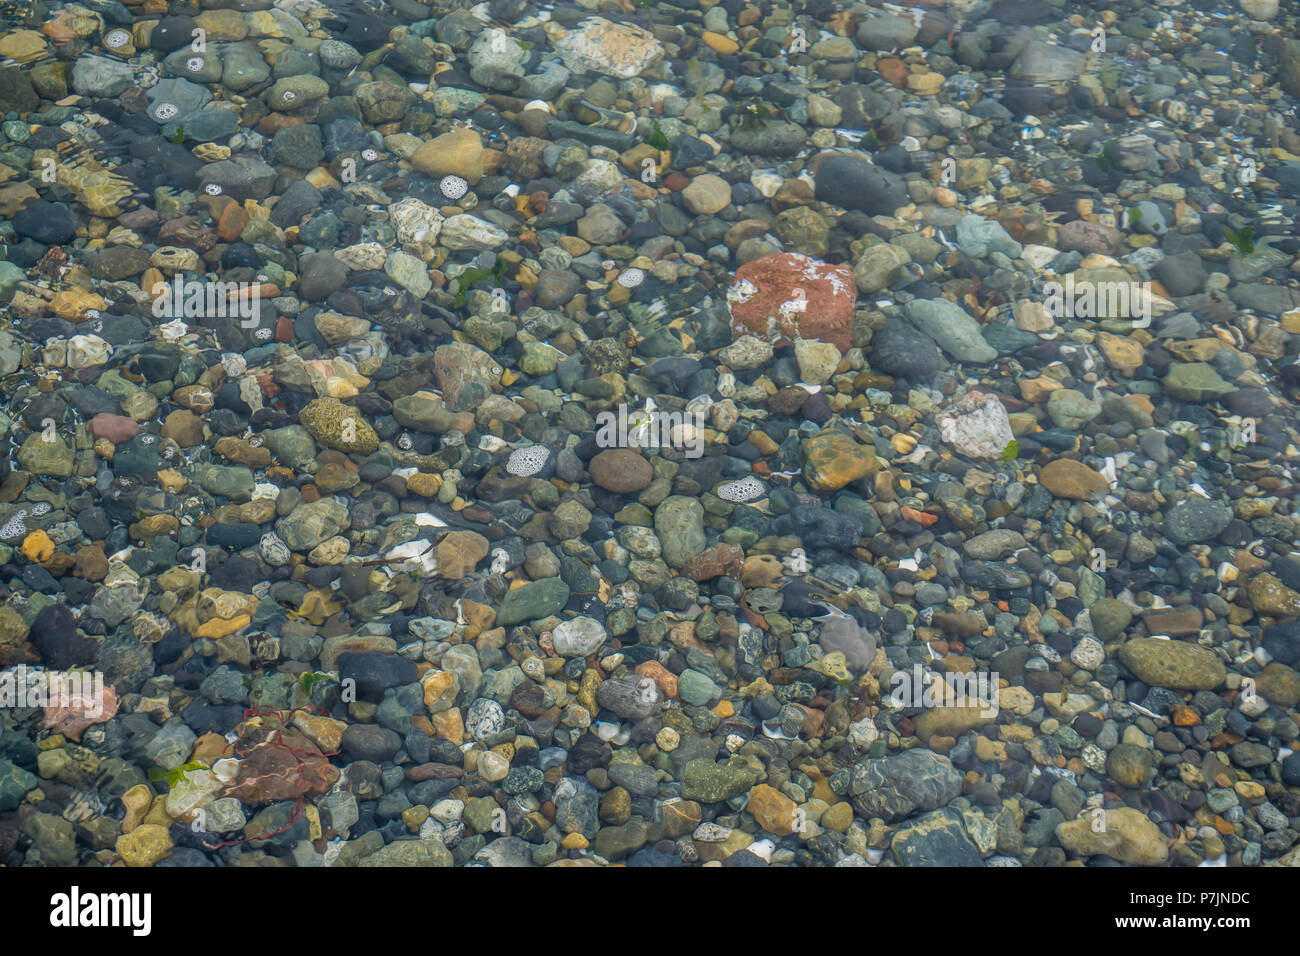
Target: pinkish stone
(116,428)
(71,713)
(788,295)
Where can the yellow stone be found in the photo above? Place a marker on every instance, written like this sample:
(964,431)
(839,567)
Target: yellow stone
(723,46)
(424,484)
(574,841)
(1249,789)
(772,810)
(171,480)
(218,628)
(325,732)
(72,304)
(838,817)
(22,45)
(449,725)
(1120,352)
(144,846)
(38,547)
(440,689)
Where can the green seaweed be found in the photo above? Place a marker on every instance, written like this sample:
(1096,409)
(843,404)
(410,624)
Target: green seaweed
(657,138)
(1012,450)
(179,137)
(756,117)
(309,679)
(173,778)
(475,274)
(1243,241)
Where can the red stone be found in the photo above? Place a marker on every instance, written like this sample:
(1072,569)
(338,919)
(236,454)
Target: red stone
(786,294)
(720,559)
(282,764)
(116,428)
(283,329)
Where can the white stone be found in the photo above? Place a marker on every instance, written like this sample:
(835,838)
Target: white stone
(416,223)
(470,232)
(977,426)
(579,637)
(610,48)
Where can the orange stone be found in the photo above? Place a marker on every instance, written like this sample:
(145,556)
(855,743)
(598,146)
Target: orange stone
(664,679)
(449,725)
(923,518)
(232,222)
(893,70)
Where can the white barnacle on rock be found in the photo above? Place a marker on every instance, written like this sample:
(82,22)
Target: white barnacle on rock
(15,526)
(741,292)
(528,461)
(453,187)
(741,490)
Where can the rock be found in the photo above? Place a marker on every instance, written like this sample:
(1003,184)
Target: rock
(897,350)
(1067,478)
(459,553)
(786,296)
(621,470)
(1071,409)
(532,601)
(935,839)
(52,458)
(1174,664)
(977,426)
(338,426)
(897,786)
(146,845)
(710,782)
(979,237)
(1110,618)
(48,223)
(707,194)
(772,810)
(772,138)
(578,637)
(817,360)
(833,459)
(406,853)
(1195,382)
(1268,595)
(854,183)
(1127,836)
(1196,519)
(1129,765)
(312,523)
(615,49)
(15,784)
(679,524)
(1089,237)
(951,328)
(879,267)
